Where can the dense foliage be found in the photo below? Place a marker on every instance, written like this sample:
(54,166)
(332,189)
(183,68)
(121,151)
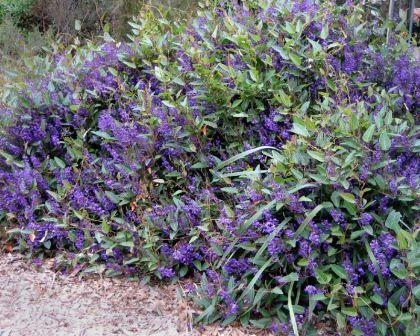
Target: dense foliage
(267,150)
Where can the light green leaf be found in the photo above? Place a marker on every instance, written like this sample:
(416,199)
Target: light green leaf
(241,156)
(348,197)
(384,141)
(289,278)
(367,136)
(392,220)
(393,311)
(291,312)
(300,129)
(324,31)
(349,311)
(297,60)
(317,155)
(340,271)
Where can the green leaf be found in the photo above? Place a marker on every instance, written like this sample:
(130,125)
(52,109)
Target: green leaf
(349,311)
(255,278)
(262,323)
(113,71)
(60,162)
(316,155)
(103,135)
(348,197)
(376,265)
(244,227)
(271,237)
(340,271)
(377,299)
(384,141)
(290,28)
(324,32)
(367,136)
(114,198)
(392,221)
(281,51)
(416,292)
(300,129)
(311,215)
(292,277)
(291,311)
(230,190)
(105,226)
(398,269)
(341,321)
(297,60)
(393,311)
(242,155)
(322,277)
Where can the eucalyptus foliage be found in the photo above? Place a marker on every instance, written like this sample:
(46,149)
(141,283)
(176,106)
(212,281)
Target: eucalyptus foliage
(267,150)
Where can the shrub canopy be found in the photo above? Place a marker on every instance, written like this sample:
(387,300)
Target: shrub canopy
(268,149)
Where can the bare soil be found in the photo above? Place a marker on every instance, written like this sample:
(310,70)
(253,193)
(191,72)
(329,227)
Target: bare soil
(37,301)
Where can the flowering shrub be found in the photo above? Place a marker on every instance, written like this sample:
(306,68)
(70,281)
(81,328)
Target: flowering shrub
(267,149)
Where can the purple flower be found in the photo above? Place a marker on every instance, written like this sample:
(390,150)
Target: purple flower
(366,218)
(311,290)
(166,272)
(338,216)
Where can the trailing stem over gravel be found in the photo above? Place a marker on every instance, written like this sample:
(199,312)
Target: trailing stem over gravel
(266,149)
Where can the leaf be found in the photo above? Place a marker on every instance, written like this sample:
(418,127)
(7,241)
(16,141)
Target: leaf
(341,321)
(398,269)
(113,71)
(199,165)
(105,226)
(262,323)
(340,271)
(384,141)
(244,227)
(209,310)
(367,136)
(255,278)
(316,155)
(416,291)
(300,129)
(292,277)
(393,311)
(377,299)
(291,312)
(300,187)
(349,311)
(281,51)
(392,221)
(60,162)
(291,29)
(271,237)
(324,32)
(376,265)
(113,198)
(322,277)
(103,135)
(230,190)
(311,215)
(297,60)
(242,155)
(348,197)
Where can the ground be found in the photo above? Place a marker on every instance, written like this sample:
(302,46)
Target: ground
(37,301)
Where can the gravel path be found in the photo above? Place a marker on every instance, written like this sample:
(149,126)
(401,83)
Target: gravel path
(40,302)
